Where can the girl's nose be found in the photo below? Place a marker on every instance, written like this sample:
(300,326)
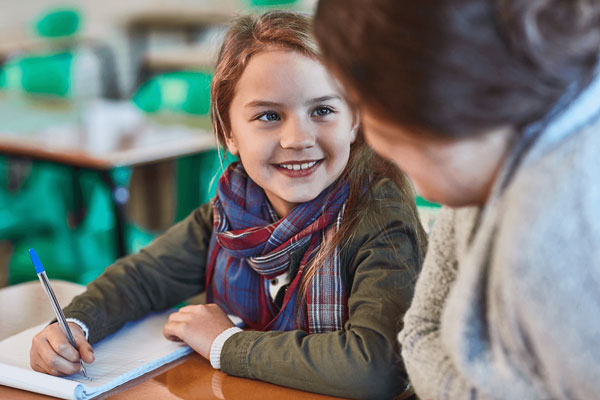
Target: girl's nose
(296,135)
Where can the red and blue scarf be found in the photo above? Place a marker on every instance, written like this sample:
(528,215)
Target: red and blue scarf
(250,245)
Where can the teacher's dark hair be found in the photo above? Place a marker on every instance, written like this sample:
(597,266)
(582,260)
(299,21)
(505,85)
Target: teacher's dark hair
(459,68)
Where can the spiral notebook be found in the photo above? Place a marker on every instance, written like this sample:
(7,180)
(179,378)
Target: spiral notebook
(137,348)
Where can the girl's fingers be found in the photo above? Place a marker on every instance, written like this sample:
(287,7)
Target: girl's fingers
(60,345)
(179,316)
(44,369)
(83,346)
(172,331)
(186,308)
(53,363)
(85,350)
(59,366)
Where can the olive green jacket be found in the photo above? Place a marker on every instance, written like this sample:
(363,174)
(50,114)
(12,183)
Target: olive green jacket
(380,265)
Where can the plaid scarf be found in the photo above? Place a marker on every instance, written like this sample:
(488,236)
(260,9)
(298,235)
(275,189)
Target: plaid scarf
(250,245)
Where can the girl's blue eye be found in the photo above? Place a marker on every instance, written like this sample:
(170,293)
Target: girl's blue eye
(269,116)
(322,111)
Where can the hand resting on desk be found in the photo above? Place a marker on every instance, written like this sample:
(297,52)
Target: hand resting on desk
(197,326)
(52,353)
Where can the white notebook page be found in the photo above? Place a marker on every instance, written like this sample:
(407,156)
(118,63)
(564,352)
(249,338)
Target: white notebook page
(137,348)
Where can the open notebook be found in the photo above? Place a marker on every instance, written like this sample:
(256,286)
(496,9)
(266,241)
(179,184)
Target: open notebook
(137,348)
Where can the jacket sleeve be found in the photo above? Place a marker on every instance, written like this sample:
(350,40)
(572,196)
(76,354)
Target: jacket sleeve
(362,360)
(166,272)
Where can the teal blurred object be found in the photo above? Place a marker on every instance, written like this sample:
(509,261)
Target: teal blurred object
(271,3)
(428,212)
(45,74)
(58,23)
(421,202)
(176,92)
(60,260)
(35,215)
(37,205)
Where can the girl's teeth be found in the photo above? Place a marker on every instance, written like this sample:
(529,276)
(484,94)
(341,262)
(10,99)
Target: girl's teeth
(298,167)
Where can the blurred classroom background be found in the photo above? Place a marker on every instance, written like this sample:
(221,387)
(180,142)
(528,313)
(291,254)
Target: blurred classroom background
(105,138)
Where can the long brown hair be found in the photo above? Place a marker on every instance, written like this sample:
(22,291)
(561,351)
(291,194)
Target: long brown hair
(249,35)
(459,67)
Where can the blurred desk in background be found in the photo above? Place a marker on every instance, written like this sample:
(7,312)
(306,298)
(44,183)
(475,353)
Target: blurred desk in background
(195,58)
(98,136)
(191,377)
(186,19)
(21,44)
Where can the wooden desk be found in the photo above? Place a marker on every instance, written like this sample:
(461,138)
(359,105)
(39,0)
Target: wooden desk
(61,131)
(34,308)
(189,378)
(88,136)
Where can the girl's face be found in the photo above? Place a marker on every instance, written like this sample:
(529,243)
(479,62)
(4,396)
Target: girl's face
(290,126)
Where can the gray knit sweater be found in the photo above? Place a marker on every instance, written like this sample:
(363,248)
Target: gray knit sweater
(508,303)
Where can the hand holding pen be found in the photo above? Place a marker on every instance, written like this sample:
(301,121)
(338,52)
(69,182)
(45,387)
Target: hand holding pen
(60,348)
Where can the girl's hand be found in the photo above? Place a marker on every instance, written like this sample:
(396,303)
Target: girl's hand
(52,353)
(197,326)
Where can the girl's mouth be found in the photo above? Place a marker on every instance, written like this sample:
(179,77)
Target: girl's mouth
(297,169)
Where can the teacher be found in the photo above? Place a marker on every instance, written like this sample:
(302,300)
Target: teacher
(492,108)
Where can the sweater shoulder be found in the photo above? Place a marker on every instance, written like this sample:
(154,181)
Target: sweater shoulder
(550,211)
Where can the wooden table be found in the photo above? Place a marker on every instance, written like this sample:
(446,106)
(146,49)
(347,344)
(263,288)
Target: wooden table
(90,136)
(189,378)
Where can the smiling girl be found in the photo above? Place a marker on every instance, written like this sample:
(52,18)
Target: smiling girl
(312,240)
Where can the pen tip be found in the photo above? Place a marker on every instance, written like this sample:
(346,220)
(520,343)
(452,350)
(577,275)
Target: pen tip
(39,268)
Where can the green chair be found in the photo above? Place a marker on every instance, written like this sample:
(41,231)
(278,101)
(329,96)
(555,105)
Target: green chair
(45,74)
(35,215)
(58,23)
(176,92)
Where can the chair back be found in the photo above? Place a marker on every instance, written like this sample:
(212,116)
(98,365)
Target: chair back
(58,23)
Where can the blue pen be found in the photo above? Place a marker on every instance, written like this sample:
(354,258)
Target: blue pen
(41,273)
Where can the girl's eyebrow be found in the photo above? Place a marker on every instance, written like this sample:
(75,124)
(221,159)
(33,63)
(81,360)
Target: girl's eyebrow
(266,103)
(323,99)
(262,103)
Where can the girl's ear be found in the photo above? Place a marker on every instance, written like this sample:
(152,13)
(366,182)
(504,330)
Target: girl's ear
(231,144)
